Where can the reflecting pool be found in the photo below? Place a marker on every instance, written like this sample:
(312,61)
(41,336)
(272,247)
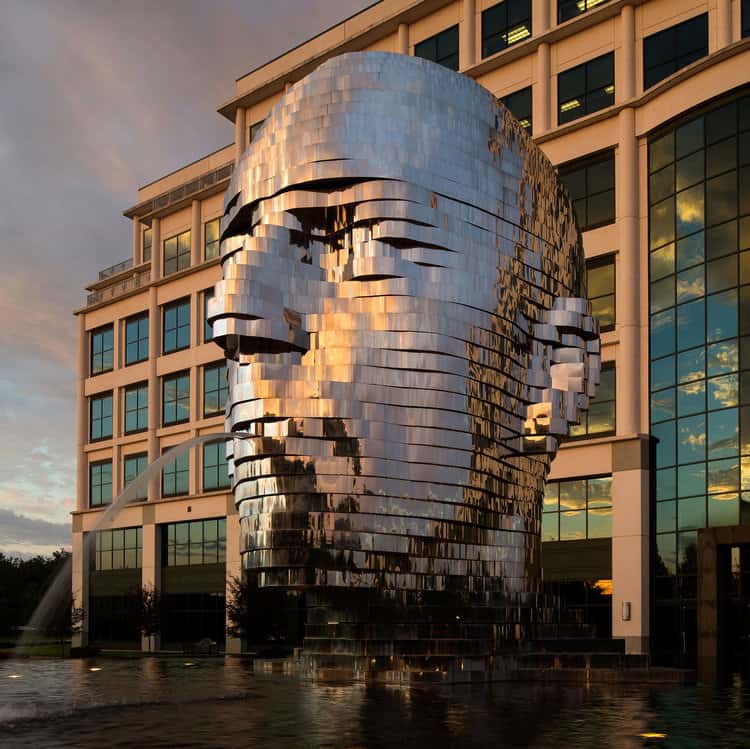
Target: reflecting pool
(160,702)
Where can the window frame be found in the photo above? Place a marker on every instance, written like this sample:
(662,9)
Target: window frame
(252,131)
(147,246)
(584,164)
(95,334)
(177,472)
(96,466)
(182,251)
(208,330)
(216,467)
(608,366)
(138,388)
(671,35)
(504,31)
(437,39)
(142,456)
(601,261)
(167,379)
(588,6)
(102,549)
(223,386)
(558,511)
(101,398)
(216,242)
(175,307)
(587,91)
(138,319)
(530,119)
(170,543)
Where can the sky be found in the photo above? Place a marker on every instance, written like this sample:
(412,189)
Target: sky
(99,97)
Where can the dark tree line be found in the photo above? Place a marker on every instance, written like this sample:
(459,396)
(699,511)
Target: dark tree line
(23,583)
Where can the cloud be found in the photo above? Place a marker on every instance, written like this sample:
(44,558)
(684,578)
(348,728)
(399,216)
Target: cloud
(21,531)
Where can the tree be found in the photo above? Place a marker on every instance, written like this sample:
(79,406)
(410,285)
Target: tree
(267,619)
(148,611)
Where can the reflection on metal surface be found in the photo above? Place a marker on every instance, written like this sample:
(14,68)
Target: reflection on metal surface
(406,345)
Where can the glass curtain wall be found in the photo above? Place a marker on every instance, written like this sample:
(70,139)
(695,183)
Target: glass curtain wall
(699,242)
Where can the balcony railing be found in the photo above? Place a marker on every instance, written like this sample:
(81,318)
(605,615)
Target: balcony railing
(137,280)
(113,270)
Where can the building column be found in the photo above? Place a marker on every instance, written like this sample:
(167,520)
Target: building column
(723,23)
(234,565)
(403,39)
(156,250)
(82,407)
(540,17)
(467,44)
(541,91)
(154,396)
(137,248)
(625,68)
(628,278)
(151,570)
(195,235)
(630,543)
(80,581)
(240,118)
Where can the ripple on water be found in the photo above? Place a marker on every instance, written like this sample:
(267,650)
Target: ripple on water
(159,702)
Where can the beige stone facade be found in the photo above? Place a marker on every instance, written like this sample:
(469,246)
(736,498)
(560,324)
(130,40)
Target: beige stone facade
(192,196)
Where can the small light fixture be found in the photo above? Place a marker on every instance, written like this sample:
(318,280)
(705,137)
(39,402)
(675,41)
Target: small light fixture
(626,611)
(95,668)
(14,676)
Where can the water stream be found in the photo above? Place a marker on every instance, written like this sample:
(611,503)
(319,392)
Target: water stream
(44,611)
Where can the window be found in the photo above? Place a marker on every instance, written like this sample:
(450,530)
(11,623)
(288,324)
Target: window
(134,466)
(591,183)
(195,542)
(211,239)
(519,104)
(599,421)
(176,326)
(100,417)
(441,48)
(600,279)
(577,510)
(136,408)
(505,24)
(175,398)
(253,130)
(102,350)
(215,389)
(215,473)
(100,483)
(177,253)
(674,48)
(208,329)
(586,88)
(147,239)
(136,339)
(745,18)
(567,9)
(118,549)
(175,475)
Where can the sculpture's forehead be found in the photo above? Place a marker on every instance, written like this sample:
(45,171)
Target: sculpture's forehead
(381,116)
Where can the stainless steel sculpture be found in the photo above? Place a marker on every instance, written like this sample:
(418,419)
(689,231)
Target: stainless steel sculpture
(400,314)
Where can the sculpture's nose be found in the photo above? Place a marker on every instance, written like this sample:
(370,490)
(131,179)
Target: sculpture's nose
(249,310)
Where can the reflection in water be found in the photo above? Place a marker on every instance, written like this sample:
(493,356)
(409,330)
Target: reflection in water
(224,703)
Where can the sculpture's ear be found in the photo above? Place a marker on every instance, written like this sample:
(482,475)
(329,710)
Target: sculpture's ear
(563,373)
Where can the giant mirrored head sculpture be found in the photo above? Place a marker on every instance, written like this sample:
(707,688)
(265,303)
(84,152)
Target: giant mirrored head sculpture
(406,343)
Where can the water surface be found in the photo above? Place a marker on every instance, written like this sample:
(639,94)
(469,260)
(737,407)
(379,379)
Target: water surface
(160,702)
